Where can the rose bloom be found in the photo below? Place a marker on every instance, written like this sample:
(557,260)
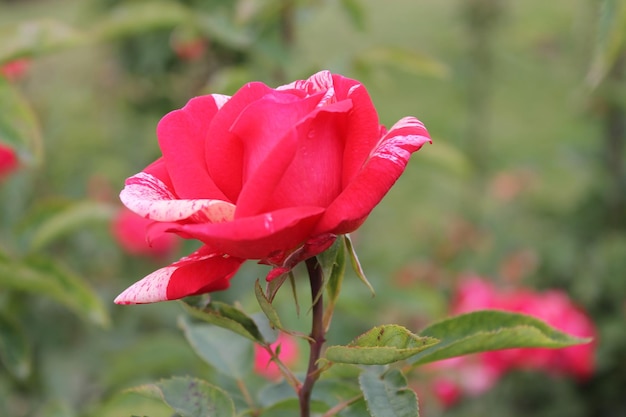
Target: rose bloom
(129,229)
(288,354)
(15,70)
(272,175)
(8,161)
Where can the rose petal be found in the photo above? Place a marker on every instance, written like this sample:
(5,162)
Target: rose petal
(182,135)
(257,237)
(149,197)
(223,149)
(274,121)
(200,272)
(380,172)
(362,130)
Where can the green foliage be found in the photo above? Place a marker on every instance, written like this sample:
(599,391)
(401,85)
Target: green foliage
(388,395)
(104,72)
(190,397)
(227,317)
(15,349)
(379,346)
(49,278)
(224,350)
(481,331)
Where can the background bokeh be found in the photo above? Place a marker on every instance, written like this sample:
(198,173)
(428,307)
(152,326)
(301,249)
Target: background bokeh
(525,183)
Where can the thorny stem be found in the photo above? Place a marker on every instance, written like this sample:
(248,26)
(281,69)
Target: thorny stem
(317,335)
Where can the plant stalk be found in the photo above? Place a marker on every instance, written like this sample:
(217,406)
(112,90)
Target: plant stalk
(317,335)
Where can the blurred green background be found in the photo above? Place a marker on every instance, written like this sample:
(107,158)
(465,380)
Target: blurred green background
(524,184)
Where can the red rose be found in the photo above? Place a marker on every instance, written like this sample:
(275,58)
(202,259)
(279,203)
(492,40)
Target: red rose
(267,174)
(8,161)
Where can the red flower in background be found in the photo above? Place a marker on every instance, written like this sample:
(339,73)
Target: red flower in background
(129,229)
(8,161)
(267,174)
(15,70)
(288,354)
(475,374)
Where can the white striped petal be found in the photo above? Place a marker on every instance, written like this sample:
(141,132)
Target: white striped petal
(149,197)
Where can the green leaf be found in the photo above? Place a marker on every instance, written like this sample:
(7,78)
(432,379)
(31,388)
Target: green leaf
(610,40)
(135,17)
(190,397)
(334,271)
(388,395)
(219,27)
(227,317)
(69,219)
(35,37)
(15,350)
(379,346)
(224,350)
(19,127)
(486,330)
(355,11)
(356,265)
(44,276)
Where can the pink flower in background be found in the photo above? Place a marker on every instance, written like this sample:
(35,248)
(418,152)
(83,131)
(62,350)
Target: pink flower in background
(129,229)
(15,70)
(475,374)
(288,354)
(8,161)
(272,175)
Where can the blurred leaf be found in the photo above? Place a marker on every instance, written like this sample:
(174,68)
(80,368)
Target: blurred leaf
(56,408)
(44,276)
(448,157)
(610,40)
(355,11)
(218,26)
(69,219)
(356,265)
(135,17)
(155,354)
(388,395)
(402,60)
(15,349)
(224,350)
(190,397)
(35,37)
(379,346)
(19,127)
(486,330)
(227,317)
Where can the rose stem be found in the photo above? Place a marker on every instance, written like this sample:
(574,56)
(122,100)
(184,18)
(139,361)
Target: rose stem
(317,334)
